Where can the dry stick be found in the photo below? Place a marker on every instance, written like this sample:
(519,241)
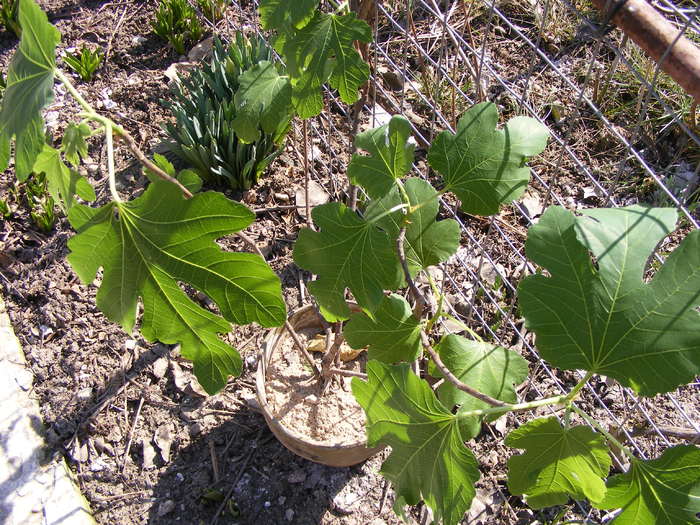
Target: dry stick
(131,433)
(287,325)
(348,373)
(664,43)
(131,144)
(214,461)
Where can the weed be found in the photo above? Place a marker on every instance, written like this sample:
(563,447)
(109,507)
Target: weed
(9,16)
(176,22)
(84,62)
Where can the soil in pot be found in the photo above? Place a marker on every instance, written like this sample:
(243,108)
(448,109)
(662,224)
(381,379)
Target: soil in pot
(294,395)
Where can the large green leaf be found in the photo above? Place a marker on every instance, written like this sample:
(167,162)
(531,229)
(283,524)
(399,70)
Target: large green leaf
(558,463)
(63,183)
(491,369)
(485,166)
(149,245)
(281,14)
(392,336)
(323,51)
(428,458)
(28,145)
(428,241)
(604,317)
(390,157)
(263,101)
(348,251)
(664,490)
(30,75)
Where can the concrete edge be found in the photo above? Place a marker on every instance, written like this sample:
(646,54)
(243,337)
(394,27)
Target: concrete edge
(32,490)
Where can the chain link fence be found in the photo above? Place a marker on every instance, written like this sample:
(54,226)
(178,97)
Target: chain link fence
(623,132)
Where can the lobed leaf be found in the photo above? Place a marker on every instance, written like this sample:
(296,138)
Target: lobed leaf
(73,143)
(63,183)
(263,100)
(149,245)
(664,490)
(29,88)
(485,166)
(428,241)
(606,319)
(390,157)
(559,463)
(323,51)
(348,251)
(491,369)
(428,458)
(393,334)
(281,14)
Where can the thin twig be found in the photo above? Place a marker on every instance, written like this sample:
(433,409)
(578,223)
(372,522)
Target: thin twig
(305,149)
(131,433)
(453,378)
(348,373)
(418,297)
(214,461)
(131,144)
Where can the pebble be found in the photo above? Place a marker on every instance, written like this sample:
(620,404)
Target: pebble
(289,514)
(298,476)
(165,507)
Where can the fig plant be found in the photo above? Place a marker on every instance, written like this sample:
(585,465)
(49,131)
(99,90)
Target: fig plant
(592,310)
(146,246)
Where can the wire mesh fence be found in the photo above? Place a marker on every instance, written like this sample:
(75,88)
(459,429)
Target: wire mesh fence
(623,132)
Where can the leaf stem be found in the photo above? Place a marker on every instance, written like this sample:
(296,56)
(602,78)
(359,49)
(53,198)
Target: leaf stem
(74,92)
(515,407)
(388,212)
(419,306)
(574,392)
(591,421)
(110,163)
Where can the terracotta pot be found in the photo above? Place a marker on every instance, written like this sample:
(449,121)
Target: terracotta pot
(342,455)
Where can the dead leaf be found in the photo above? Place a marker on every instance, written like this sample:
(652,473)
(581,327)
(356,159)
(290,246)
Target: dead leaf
(179,376)
(318,344)
(164,439)
(317,196)
(149,454)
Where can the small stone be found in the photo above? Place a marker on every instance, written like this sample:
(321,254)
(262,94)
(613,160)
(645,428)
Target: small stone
(195,429)
(289,514)
(160,366)
(282,197)
(298,476)
(138,40)
(166,507)
(267,504)
(281,500)
(84,394)
(130,344)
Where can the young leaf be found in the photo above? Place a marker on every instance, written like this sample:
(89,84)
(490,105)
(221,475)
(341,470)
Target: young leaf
(393,335)
(281,14)
(263,100)
(428,458)
(390,157)
(482,165)
(347,251)
(63,183)
(30,76)
(491,369)
(73,144)
(558,463)
(428,241)
(608,320)
(149,245)
(323,50)
(664,490)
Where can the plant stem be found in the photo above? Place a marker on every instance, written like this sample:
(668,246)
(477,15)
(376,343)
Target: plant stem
(348,373)
(515,407)
(388,212)
(110,164)
(74,92)
(574,392)
(419,306)
(591,421)
(459,384)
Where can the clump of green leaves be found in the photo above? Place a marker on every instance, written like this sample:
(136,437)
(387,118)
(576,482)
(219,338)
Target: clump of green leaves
(212,10)
(38,201)
(225,145)
(84,62)
(9,16)
(176,22)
